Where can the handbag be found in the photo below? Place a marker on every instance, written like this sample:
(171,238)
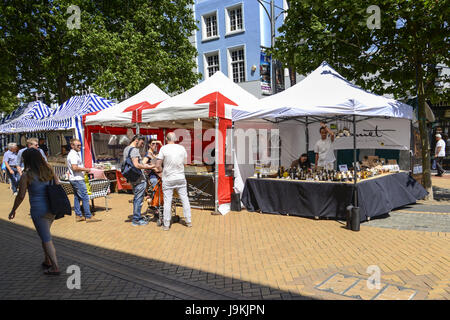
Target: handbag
(129,171)
(58,201)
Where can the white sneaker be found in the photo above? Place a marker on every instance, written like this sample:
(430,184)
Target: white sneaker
(15,194)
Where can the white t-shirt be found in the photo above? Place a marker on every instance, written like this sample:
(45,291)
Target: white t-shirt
(441,144)
(174,157)
(326,152)
(75,158)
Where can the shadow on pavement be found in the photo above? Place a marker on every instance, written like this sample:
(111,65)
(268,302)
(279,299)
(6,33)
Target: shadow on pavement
(109,274)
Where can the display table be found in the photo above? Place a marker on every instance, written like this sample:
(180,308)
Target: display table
(99,188)
(201,190)
(376,196)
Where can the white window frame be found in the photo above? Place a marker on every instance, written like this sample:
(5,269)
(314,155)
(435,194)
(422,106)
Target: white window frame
(203,22)
(230,66)
(227,19)
(205,62)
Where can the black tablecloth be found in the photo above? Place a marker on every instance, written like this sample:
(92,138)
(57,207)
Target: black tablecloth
(324,199)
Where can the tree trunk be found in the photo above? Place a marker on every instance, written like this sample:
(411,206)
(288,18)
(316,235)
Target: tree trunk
(292,76)
(63,92)
(426,161)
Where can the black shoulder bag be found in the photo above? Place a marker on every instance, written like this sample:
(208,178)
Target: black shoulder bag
(129,171)
(58,201)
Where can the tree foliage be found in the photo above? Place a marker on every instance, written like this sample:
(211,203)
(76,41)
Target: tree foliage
(384,60)
(400,56)
(120,47)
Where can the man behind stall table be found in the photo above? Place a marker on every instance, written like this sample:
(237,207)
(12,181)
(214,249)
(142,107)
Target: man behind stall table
(302,162)
(324,149)
(43,146)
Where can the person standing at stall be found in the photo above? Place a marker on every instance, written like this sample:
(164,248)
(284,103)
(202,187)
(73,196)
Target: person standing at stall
(140,184)
(324,149)
(31,143)
(171,160)
(10,161)
(439,154)
(151,156)
(76,178)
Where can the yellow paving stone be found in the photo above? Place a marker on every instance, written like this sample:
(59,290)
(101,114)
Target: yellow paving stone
(265,249)
(396,293)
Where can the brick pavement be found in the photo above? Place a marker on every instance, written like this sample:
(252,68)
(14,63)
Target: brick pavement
(242,255)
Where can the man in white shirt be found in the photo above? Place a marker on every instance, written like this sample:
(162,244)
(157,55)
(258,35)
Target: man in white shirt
(173,157)
(324,149)
(76,177)
(439,154)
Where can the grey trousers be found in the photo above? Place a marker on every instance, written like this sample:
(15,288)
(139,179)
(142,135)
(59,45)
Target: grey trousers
(181,187)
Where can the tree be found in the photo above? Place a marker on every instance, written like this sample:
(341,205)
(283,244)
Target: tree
(118,47)
(398,56)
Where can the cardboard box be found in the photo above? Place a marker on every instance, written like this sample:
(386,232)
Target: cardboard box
(392,161)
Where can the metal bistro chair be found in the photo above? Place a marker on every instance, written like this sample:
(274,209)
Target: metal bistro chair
(99,188)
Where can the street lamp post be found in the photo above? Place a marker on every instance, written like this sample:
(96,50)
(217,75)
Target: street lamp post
(272,19)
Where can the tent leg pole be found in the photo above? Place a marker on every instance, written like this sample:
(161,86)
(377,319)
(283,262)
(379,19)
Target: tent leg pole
(216,167)
(307,135)
(355,195)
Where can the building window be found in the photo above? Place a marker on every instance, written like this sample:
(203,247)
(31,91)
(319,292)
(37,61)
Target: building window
(210,26)
(238,64)
(235,16)
(212,63)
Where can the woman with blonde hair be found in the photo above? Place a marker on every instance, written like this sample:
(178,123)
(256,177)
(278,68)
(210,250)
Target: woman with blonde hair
(36,177)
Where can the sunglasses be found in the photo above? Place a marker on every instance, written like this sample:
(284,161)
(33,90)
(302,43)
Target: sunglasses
(77,145)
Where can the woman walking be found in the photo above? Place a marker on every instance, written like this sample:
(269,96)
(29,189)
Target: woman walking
(37,175)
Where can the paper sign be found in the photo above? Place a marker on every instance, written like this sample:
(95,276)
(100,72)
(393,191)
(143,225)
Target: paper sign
(343,168)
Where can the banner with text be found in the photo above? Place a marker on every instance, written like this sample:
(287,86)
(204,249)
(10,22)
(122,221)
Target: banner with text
(370,134)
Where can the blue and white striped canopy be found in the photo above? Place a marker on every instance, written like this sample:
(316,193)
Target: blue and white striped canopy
(66,116)
(35,110)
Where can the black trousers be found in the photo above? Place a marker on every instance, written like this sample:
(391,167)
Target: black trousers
(439,168)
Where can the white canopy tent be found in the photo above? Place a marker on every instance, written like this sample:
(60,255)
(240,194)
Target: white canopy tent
(127,112)
(324,95)
(209,103)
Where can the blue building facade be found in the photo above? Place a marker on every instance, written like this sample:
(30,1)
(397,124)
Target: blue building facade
(230,37)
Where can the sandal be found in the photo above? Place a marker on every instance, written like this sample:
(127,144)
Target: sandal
(49,272)
(46,266)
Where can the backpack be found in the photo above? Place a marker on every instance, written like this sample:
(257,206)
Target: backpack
(129,171)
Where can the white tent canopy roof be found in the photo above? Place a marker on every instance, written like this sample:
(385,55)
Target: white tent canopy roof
(200,102)
(115,116)
(325,93)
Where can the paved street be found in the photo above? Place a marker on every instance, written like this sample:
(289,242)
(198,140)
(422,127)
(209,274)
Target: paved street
(242,255)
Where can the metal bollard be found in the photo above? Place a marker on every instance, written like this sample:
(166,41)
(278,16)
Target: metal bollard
(235,201)
(349,217)
(355,219)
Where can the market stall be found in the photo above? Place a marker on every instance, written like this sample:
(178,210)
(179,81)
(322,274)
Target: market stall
(10,125)
(358,118)
(204,111)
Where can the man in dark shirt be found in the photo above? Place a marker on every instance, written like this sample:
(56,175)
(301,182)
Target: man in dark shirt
(43,146)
